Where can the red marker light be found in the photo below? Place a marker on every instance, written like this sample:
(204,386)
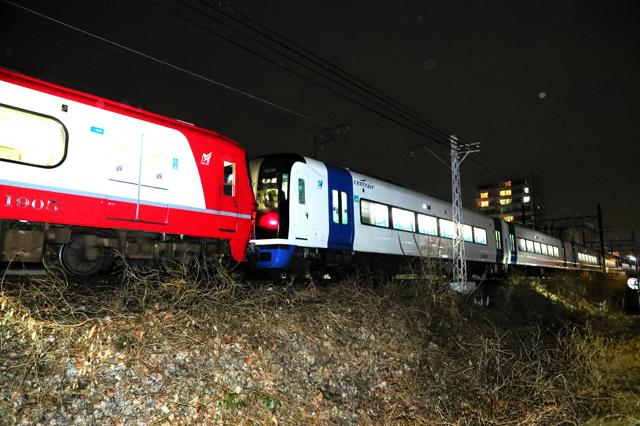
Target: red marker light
(269,220)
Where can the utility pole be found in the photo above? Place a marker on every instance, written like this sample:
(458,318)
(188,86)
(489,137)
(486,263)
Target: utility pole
(601,232)
(458,154)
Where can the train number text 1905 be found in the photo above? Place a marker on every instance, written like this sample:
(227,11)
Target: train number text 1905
(22,202)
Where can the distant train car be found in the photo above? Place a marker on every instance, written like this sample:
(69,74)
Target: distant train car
(82,176)
(537,249)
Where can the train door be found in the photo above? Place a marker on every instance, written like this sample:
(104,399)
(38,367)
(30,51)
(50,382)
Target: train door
(137,188)
(341,227)
(301,221)
(228,170)
(512,243)
(498,236)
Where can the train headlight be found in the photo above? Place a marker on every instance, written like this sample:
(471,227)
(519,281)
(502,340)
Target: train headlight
(633,283)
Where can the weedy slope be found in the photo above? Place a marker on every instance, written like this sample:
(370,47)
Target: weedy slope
(192,345)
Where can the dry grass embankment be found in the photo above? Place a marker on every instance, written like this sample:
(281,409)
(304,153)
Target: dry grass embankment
(196,347)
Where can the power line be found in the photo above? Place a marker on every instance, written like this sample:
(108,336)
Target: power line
(317,60)
(219,84)
(301,75)
(168,64)
(328,66)
(175,67)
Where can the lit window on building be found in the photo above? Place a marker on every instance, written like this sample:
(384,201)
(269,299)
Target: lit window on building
(505,201)
(526,199)
(506,183)
(484,203)
(526,189)
(508,218)
(484,195)
(505,192)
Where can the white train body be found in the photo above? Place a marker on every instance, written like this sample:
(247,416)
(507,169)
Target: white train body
(311,211)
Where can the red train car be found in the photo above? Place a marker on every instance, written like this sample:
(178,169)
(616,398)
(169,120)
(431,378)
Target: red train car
(82,176)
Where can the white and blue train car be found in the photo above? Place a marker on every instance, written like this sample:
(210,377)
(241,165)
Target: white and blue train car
(316,212)
(537,249)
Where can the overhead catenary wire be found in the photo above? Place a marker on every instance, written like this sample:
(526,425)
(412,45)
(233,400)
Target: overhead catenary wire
(325,65)
(212,81)
(166,63)
(317,60)
(170,65)
(398,121)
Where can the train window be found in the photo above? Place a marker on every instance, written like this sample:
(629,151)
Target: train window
(522,245)
(537,248)
(335,206)
(229,178)
(479,235)
(447,229)
(498,240)
(544,249)
(467,233)
(512,243)
(344,217)
(375,214)
(427,224)
(31,138)
(529,246)
(285,186)
(267,193)
(301,195)
(556,253)
(403,220)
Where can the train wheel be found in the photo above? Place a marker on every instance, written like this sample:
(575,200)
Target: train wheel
(79,259)
(51,259)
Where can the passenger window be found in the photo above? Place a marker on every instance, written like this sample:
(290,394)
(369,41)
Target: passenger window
(229,178)
(301,195)
(498,240)
(522,245)
(344,217)
(31,139)
(467,233)
(556,253)
(403,220)
(536,247)
(529,246)
(427,225)
(335,206)
(479,235)
(446,228)
(375,214)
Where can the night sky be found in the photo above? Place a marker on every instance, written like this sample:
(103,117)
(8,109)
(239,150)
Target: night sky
(549,88)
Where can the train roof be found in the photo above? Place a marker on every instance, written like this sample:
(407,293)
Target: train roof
(29,82)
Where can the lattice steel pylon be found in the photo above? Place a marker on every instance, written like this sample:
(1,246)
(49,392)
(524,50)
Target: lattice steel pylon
(458,154)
